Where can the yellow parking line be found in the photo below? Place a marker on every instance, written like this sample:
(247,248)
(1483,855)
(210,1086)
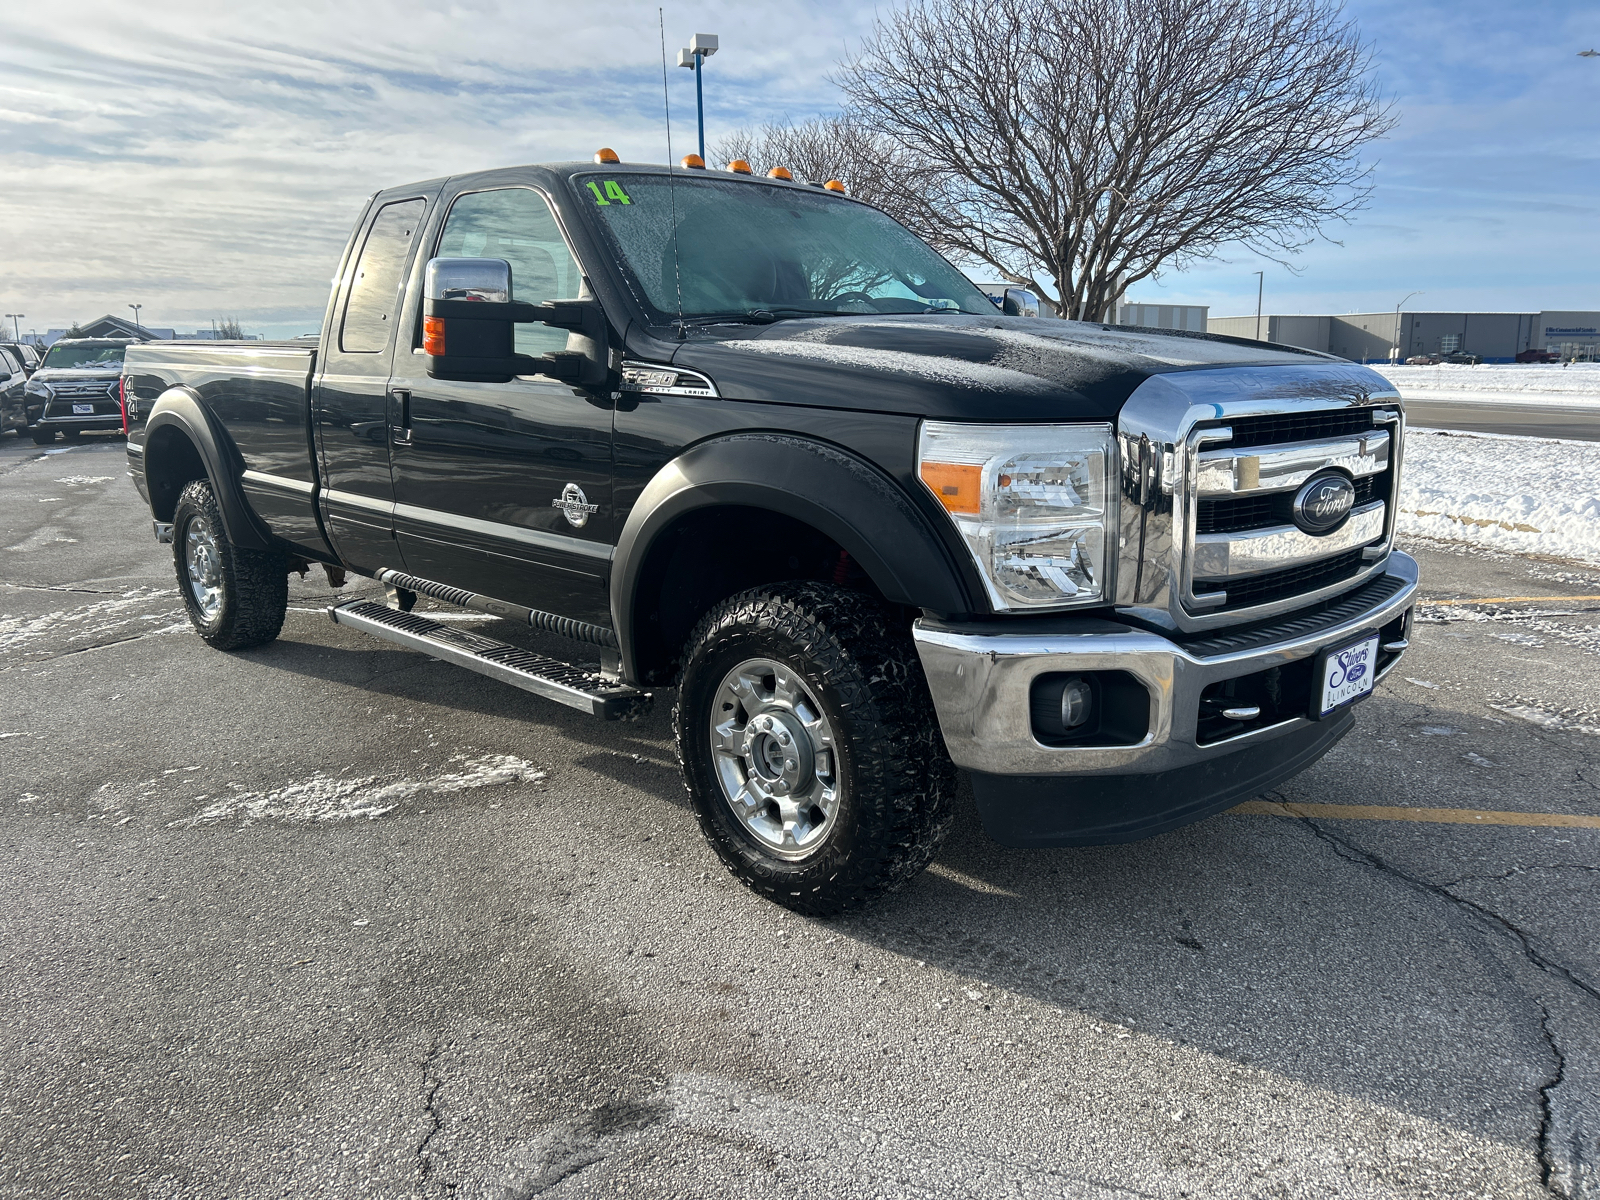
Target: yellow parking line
(1443,816)
(1511,600)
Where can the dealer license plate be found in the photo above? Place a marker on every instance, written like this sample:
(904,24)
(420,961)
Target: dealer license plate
(1345,674)
(83,410)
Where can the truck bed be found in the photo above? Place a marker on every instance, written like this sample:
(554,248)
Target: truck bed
(257,396)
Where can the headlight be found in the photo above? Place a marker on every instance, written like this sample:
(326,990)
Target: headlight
(36,388)
(1032,503)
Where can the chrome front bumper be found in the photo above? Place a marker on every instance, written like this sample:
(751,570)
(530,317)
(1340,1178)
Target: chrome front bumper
(980,676)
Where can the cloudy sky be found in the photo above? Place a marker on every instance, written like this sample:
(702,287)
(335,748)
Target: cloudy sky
(206,160)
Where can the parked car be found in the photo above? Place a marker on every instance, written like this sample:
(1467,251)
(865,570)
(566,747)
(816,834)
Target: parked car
(1538,356)
(13,392)
(1423,360)
(1462,359)
(25,352)
(77,387)
(755,441)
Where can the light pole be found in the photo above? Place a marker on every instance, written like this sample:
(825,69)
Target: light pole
(16,330)
(136,308)
(701,47)
(1261,286)
(1395,358)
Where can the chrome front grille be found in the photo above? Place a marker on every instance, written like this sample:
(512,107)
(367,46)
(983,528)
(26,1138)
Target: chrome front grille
(1225,567)
(85,389)
(1211,462)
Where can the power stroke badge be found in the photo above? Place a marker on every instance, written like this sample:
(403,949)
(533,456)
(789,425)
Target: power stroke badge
(574,506)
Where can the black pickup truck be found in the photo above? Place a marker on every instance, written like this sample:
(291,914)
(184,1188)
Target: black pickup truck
(750,439)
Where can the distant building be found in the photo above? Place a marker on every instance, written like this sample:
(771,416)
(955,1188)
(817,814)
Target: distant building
(109,326)
(1378,337)
(1193,317)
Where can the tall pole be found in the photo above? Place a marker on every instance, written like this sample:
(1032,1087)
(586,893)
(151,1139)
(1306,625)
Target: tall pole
(136,308)
(16,329)
(1261,284)
(1397,354)
(700,101)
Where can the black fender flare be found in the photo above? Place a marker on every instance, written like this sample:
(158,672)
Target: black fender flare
(181,408)
(835,492)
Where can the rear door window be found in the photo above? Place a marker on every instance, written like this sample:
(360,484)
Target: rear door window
(373,305)
(516,224)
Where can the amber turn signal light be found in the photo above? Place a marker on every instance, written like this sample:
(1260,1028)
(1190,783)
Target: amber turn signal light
(779,173)
(739,167)
(433,336)
(956,485)
(833,185)
(694,162)
(606,155)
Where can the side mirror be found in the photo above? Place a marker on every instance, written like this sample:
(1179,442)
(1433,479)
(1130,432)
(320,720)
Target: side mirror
(1019,302)
(469,320)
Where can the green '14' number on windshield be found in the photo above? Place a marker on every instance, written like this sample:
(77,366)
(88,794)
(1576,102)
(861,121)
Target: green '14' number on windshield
(613,192)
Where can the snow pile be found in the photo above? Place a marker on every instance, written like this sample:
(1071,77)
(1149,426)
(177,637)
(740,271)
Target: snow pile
(326,798)
(1575,381)
(1523,495)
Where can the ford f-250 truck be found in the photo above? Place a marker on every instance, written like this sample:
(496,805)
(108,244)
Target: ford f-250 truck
(749,438)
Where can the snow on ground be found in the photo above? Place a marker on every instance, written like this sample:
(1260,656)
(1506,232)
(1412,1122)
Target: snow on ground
(326,798)
(1505,381)
(1522,495)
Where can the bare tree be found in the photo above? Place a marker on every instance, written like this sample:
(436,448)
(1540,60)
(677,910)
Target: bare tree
(1095,142)
(868,164)
(228,329)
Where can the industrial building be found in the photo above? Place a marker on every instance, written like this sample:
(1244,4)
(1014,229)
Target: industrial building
(1379,337)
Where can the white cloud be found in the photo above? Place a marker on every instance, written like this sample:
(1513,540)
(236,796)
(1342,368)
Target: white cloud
(208,160)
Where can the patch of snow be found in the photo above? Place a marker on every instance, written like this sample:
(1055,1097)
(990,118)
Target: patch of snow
(86,479)
(17,632)
(1476,759)
(1422,683)
(326,798)
(1520,639)
(1508,381)
(1522,495)
(1537,714)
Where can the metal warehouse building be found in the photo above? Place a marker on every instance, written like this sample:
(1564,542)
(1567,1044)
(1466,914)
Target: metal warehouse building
(1371,337)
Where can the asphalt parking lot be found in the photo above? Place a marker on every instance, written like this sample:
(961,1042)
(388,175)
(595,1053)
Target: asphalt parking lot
(330,918)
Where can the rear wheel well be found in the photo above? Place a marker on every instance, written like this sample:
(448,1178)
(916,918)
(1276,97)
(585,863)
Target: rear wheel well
(171,462)
(713,553)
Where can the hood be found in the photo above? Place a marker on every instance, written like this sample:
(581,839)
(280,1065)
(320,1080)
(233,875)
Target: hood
(958,366)
(106,371)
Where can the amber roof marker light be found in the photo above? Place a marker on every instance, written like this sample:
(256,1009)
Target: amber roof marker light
(739,167)
(833,185)
(780,173)
(606,155)
(693,162)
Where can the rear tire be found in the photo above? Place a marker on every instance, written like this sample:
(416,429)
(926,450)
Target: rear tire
(235,598)
(810,746)
(42,437)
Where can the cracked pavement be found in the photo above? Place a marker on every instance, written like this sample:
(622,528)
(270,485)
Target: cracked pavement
(441,938)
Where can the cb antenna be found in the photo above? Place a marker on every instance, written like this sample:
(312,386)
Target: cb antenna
(672,195)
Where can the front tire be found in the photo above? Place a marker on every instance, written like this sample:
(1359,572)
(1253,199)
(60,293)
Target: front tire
(235,598)
(810,746)
(42,437)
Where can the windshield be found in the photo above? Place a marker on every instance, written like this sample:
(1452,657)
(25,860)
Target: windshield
(749,249)
(85,354)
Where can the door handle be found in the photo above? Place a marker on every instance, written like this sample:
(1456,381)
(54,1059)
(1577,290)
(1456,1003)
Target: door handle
(401,432)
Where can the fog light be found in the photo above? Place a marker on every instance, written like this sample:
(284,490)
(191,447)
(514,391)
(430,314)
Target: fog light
(1076,699)
(1061,705)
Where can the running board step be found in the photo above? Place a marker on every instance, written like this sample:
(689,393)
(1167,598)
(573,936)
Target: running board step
(547,677)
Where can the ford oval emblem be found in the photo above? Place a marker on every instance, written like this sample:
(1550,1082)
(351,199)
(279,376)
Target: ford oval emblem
(1324,502)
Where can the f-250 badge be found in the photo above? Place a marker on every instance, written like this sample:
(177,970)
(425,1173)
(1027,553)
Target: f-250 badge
(574,506)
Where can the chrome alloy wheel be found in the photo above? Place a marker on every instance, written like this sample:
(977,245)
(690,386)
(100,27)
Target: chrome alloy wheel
(204,562)
(773,748)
